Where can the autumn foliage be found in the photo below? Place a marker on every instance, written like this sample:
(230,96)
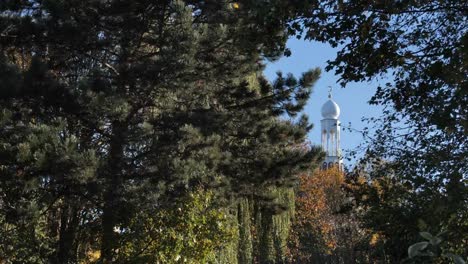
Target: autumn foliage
(318,197)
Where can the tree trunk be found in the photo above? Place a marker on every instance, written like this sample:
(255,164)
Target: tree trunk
(69,221)
(113,184)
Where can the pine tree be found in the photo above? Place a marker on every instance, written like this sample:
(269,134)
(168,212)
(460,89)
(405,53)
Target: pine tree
(114,109)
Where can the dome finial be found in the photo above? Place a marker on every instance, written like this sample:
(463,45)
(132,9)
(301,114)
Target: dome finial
(330,110)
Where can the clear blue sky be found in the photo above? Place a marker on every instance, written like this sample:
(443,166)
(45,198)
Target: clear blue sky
(352,99)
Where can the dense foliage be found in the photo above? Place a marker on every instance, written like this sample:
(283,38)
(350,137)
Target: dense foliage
(324,228)
(391,209)
(143,131)
(420,48)
(113,113)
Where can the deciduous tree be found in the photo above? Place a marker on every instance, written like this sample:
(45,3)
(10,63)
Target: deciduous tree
(420,47)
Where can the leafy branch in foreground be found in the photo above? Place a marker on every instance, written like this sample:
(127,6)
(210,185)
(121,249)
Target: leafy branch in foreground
(431,249)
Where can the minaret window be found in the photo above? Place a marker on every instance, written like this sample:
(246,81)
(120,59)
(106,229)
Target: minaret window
(331,151)
(324,140)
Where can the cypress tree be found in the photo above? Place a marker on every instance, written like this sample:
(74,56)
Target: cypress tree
(245,254)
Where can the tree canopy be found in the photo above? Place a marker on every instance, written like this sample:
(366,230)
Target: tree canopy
(125,124)
(420,141)
(113,111)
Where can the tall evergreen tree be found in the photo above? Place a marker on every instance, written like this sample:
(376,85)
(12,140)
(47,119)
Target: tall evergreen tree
(113,109)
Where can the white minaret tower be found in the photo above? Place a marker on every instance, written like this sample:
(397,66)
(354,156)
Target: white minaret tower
(331,133)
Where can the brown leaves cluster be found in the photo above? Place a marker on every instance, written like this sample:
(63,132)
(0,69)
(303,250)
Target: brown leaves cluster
(318,198)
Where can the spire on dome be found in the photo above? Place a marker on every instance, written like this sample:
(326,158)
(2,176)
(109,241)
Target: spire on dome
(330,110)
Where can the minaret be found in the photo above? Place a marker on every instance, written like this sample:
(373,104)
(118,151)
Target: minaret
(331,133)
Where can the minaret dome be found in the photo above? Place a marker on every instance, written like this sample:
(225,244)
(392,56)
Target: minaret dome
(330,109)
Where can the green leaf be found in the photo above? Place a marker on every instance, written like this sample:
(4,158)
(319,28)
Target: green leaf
(426,235)
(414,249)
(435,241)
(441,233)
